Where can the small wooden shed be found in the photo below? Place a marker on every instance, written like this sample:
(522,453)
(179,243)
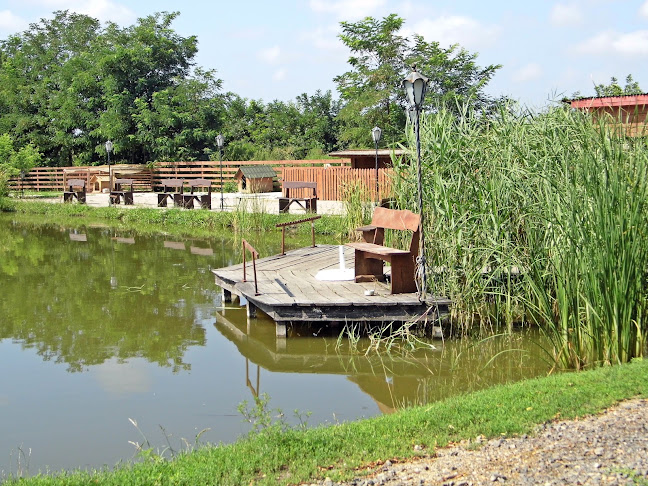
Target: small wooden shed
(255,178)
(629,113)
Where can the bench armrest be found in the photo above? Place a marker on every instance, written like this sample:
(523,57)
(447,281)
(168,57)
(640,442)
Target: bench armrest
(364,229)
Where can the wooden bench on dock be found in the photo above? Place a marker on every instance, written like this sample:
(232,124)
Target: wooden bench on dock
(308,202)
(69,194)
(120,191)
(171,189)
(204,199)
(371,253)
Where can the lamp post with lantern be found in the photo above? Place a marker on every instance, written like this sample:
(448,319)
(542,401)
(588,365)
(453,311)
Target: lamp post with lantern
(220,141)
(375,134)
(109,148)
(415,87)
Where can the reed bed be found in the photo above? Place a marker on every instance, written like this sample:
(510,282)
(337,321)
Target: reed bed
(541,218)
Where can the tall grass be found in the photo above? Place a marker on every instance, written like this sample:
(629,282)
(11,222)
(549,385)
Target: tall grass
(538,217)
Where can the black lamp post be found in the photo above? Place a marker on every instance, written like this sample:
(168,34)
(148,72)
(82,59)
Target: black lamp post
(415,87)
(109,147)
(220,141)
(375,134)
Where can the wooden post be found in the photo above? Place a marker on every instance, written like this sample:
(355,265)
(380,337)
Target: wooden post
(281,330)
(226,296)
(251,310)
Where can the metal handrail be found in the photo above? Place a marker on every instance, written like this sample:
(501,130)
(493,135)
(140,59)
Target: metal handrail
(255,255)
(293,223)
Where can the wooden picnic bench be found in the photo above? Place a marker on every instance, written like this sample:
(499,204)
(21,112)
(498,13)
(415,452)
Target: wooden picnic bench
(371,253)
(119,191)
(69,193)
(308,202)
(171,189)
(204,199)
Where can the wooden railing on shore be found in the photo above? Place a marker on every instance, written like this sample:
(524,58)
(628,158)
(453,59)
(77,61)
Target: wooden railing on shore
(333,176)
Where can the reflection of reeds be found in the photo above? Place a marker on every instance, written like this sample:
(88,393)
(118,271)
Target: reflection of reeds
(537,217)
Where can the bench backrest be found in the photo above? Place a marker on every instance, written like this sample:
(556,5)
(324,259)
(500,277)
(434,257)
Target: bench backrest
(171,182)
(396,219)
(124,182)
(75,183)
(200,183)
(288,185)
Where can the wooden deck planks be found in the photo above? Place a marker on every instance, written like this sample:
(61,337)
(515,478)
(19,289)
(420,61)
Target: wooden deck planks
(288,288)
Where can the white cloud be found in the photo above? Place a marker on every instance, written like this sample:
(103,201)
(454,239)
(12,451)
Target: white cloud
(527,73)
(448,30)
(643,10)
(566,15)
(325,38)
(104,10)
(349,10)
(11,23)
(615,43)
(279,75)
(270,55)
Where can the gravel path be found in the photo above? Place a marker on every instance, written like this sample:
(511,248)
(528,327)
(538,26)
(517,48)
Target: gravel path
(610,448)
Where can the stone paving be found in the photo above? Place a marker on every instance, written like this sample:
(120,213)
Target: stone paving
(263,202)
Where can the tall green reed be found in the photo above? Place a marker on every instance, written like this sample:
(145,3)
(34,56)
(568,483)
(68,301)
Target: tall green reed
(536,217)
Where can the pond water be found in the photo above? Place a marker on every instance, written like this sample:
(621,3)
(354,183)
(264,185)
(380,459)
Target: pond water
(100,328)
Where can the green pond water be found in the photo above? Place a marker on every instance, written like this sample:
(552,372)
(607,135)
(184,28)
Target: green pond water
(99,327)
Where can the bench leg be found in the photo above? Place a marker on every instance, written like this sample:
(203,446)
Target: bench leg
(128,198)
(367,269)
(162,200)
(311,205)
(81,197)
(114,198)
(68,197)
(188,202)
(205,201)
(403,270)
(283,204)
(177,200)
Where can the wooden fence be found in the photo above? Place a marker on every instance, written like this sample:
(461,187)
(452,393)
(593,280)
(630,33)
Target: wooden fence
(332,176)
(334,182)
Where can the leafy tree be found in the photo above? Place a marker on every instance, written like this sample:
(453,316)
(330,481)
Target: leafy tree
(614,89)
(15,162)
(371,91)
(68,84)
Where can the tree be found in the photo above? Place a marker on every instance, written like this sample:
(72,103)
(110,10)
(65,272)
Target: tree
(371,91)
(614,89)
(68,84)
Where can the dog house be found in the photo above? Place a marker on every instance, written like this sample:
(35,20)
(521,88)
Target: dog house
(255,178)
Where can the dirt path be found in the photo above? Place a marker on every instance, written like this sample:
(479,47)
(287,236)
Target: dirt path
(610,448)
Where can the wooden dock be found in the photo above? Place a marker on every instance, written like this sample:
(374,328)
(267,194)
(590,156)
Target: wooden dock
(287,290)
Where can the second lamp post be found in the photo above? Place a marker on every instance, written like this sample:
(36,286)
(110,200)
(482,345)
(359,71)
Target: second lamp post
(375,134)
(109,147)
(220,141)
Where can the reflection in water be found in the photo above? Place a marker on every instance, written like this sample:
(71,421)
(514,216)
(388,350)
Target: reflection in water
(174,245)
(78,237)
(116,380)
(201,251)
(91,303)
(392,381)
(124,326)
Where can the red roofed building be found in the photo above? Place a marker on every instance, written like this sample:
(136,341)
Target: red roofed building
(630,110)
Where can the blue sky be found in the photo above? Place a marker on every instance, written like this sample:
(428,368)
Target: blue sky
(279,49)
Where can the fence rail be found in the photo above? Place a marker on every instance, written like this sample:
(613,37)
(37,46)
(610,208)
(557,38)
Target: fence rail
(333,176)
